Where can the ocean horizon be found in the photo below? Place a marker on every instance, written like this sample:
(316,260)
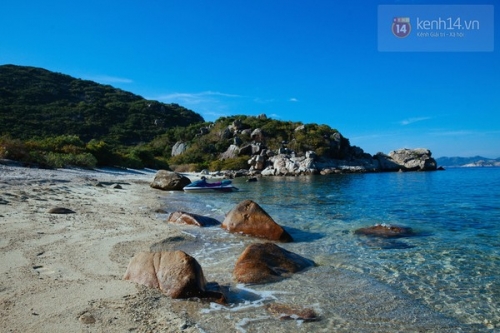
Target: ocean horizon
(443,279)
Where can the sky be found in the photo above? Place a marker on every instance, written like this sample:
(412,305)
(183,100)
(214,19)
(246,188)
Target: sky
(313,62)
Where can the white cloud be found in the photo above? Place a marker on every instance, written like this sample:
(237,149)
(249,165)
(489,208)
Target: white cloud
(193,98)
(413,120)
(293,99)
(105,79)
(210,104)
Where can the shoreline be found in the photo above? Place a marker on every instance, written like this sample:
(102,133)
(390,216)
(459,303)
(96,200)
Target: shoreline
(63,272)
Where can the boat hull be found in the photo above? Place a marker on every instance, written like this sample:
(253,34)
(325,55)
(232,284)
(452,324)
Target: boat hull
(227,188)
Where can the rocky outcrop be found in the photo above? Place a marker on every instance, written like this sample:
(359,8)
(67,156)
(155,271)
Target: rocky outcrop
(285,165)
(169,181)
(250,219)
(180,217)
(385,231)
(407,160)
(267,262)
(176,274)
(179,148)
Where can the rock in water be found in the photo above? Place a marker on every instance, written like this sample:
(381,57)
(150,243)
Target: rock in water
(267,262)
(176,274)
(250,219)
(192,219)
(385,231)
(169,181)
(288,312)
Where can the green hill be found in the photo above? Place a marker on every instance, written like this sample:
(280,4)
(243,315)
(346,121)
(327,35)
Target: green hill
(35,102)
(54,120)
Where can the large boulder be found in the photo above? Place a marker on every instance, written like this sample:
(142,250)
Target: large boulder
(180,217)
(176,274)
(169,181)
(179,148)
(231,152)
(414,159)
(257,135)
(250,219)
(267,262)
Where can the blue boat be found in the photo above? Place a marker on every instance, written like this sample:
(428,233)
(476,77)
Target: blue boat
(203,186)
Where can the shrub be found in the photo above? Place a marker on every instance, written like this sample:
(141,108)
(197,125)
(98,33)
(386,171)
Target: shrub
(13,149)
(237,163)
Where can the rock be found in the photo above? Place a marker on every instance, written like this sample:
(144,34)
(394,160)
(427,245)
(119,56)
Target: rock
(169,181)
(87,319)
(225,133)
(267,262)
(176,274)
(385,231)
(236,125)
(257,162)
(60,210)
(288,312)
(117,187)
(414,159)
(251,179)
(179,148)
(231,152)
(257,135)
(250,219)
(237,141)
(311,154)
(192,219)
(245,150)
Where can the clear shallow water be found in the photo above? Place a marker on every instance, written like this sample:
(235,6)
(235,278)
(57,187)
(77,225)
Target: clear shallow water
(447,278)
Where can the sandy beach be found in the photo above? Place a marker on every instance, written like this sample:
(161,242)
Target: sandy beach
(63,272)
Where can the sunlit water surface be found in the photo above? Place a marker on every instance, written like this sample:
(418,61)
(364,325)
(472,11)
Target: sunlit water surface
(446,278)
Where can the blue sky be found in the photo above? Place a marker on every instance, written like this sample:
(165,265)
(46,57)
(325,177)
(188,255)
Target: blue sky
(314,62)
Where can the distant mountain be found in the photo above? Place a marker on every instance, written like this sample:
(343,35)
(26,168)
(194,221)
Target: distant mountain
(35,102)
(476,161)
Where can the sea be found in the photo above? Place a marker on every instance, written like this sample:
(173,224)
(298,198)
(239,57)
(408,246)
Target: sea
(445,278)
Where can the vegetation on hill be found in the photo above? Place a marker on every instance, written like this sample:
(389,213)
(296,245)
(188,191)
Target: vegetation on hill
(35,102)
(54,120)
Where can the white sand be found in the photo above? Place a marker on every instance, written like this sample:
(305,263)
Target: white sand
(63,273)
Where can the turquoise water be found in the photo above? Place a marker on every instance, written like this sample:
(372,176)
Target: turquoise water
(446,278)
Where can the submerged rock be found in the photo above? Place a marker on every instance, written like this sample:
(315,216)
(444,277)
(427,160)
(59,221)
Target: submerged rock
(192,219)
(288,312)
(267,262)
(385,230)
(250,219)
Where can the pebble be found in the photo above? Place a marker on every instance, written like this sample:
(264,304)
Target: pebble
(87,319)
